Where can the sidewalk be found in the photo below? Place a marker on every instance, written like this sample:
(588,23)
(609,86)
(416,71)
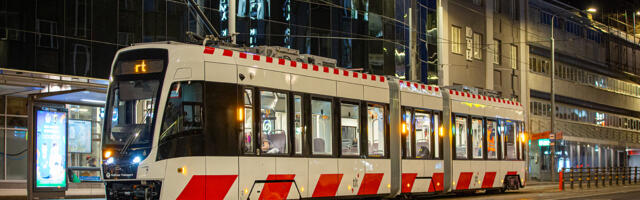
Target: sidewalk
(17,190)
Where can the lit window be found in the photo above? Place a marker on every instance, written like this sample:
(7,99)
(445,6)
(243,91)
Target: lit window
(274,122)
(376,129)
(477,137)
(497,52)
(461,137)
(350,128)
(492,140)
(297,123)
(408,133)
(423,135)
(247,128)
(321,124)
(514,57)
(455,40)
(477,46)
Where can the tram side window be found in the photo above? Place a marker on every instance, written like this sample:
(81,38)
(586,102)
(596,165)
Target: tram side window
(298,117)
(461,137)
(376,129)
(321,123)
(477,138)
(510,138)
(182,126)
(437,135)
(521,141)
(274,123)
(247,125)
(408,133)
(492,139)
(350,129)
(423,135)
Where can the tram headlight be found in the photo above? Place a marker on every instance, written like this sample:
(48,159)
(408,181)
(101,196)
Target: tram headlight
(110,161)
(136,160)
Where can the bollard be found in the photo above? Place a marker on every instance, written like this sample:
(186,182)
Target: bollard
(617,174)
(629,175)
(588,177)
(571,177)
(561,178)
(580,177)
(610,176)
(624,175)
(635,177)
(596,175)
(604,177)
(627,170)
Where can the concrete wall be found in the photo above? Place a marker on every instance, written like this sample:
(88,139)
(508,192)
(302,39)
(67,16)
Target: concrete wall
(542,83)
(506,28)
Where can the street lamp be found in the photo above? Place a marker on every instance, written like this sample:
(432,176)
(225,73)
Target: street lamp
(592,10)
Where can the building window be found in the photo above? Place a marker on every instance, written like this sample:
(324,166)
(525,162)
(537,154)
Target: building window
(497,51)
(321,125)
(477,138)
(461,137)
(477,46)
(423,135)
(514,56)
(455,40)
(376,129)
(274,123)
(350,128)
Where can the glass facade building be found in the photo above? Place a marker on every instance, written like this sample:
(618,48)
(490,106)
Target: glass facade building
(80,37)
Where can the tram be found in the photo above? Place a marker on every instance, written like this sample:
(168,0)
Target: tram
(185,121)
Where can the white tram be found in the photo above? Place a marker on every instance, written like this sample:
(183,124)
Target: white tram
(192,122)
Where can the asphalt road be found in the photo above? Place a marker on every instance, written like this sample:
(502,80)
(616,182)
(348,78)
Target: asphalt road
(552,193)
(614,196)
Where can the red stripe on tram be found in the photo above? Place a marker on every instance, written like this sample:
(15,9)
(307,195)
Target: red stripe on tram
(276,190)
(216,187)
(370,184)
(327,185)
(437,182)
(489,178)
(464,180)
(408,179)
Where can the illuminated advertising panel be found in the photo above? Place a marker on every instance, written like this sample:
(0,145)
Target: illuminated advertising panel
(51,150)
(79,136)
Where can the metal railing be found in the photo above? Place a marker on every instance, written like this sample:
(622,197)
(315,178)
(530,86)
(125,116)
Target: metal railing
(597,177)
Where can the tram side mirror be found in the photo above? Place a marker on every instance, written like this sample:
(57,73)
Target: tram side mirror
(241,76)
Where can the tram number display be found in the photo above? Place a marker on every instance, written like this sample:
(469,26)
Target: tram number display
(51,150)
(145,66)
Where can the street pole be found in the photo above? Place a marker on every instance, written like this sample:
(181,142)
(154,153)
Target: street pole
(553,100)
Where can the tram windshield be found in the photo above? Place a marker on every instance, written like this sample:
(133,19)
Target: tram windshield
(132,101)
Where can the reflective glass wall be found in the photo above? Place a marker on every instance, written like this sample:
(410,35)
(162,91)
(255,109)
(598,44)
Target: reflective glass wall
(80,37)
